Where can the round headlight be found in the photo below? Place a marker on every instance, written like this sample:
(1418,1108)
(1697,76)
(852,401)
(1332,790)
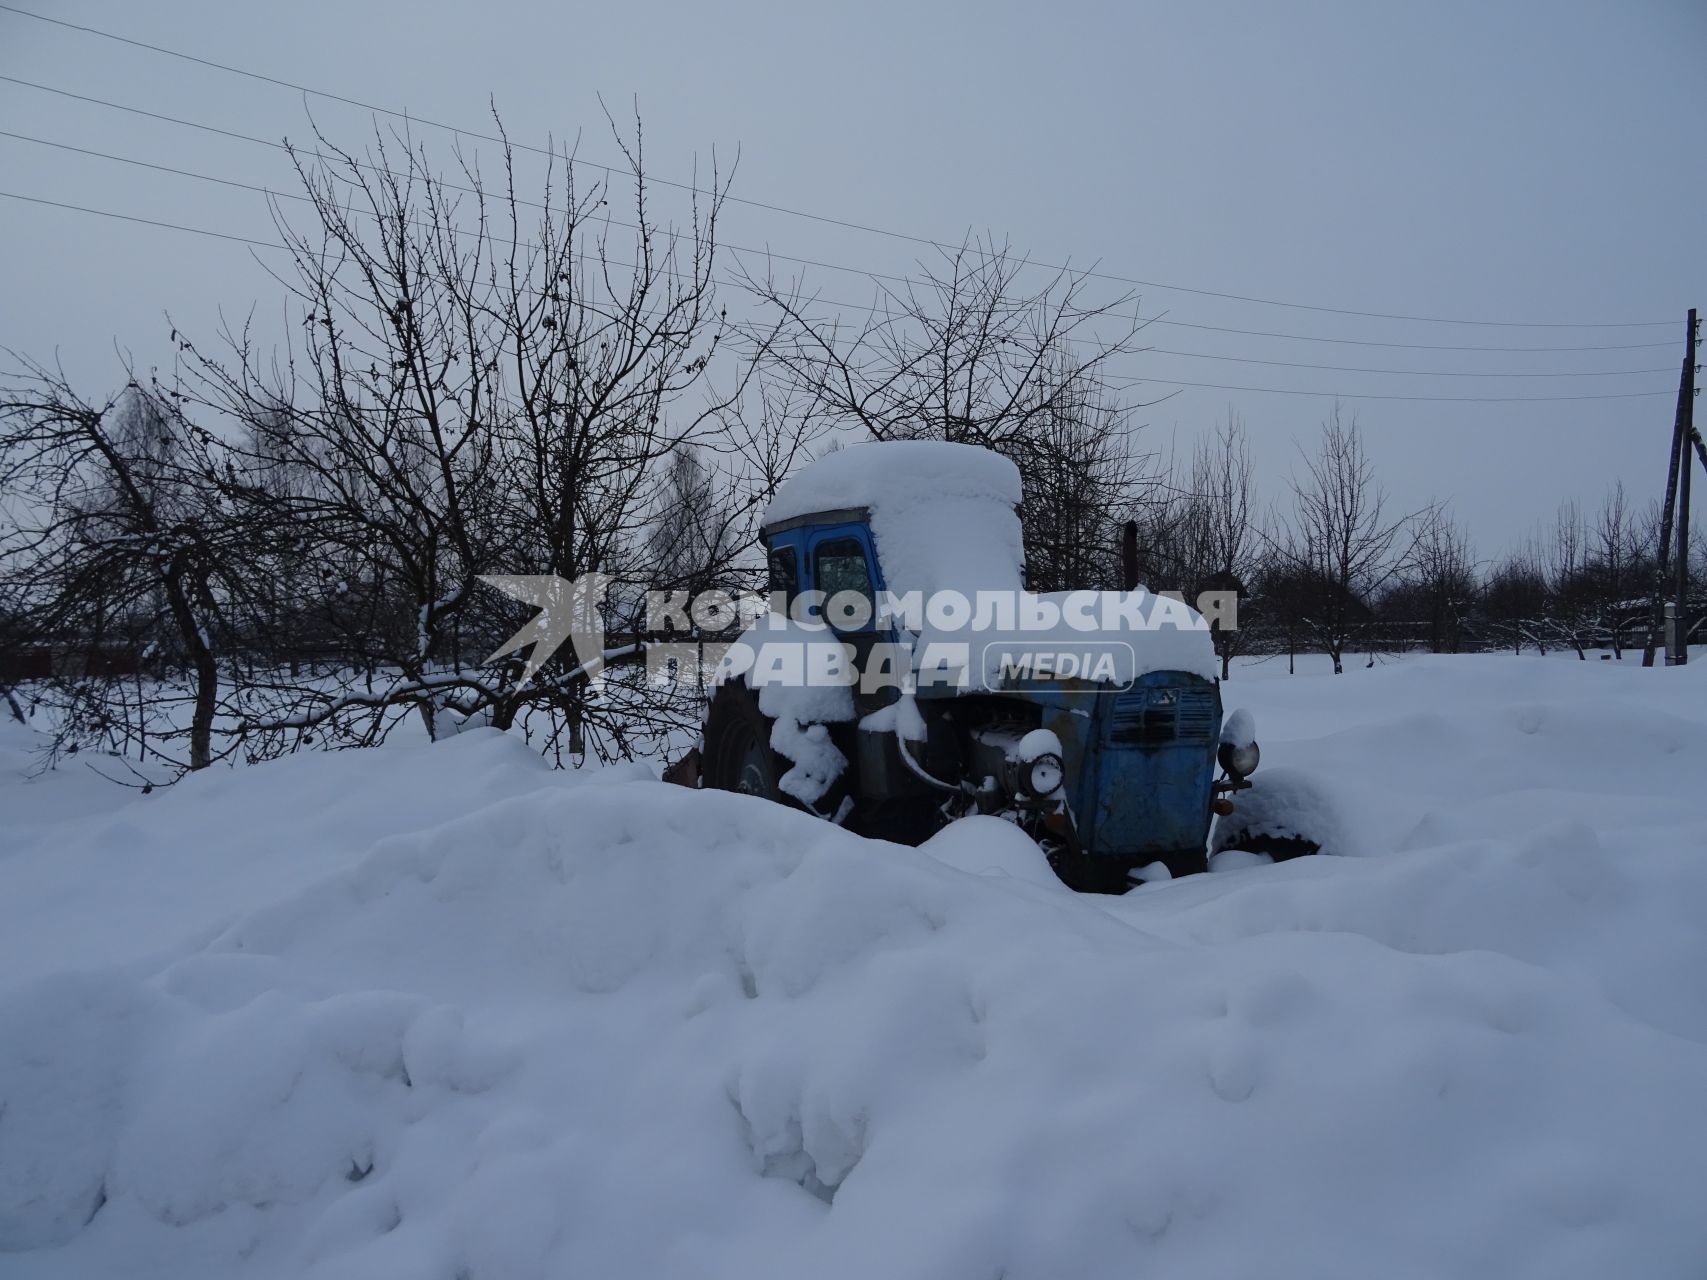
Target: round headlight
(1240,760)
(1044,775)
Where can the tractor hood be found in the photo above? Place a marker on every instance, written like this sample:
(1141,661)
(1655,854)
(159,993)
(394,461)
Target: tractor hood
(1110,638)
(1105,638)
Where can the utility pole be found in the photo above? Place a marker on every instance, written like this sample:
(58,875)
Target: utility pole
(1679,654)
(1657,631)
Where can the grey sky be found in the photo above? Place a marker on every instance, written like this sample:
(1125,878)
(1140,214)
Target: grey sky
(1519,162)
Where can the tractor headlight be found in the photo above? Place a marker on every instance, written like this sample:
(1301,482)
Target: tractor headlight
(1044,775)
(1239,760)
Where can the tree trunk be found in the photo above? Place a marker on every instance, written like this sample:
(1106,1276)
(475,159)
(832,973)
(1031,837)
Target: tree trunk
(429,718)
(201,662)
(201,725)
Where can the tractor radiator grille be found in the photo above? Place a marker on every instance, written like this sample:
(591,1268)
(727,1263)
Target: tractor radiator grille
(1157,717)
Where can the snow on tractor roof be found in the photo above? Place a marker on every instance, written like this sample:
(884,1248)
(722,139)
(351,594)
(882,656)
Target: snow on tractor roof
(885,473)
(943,516)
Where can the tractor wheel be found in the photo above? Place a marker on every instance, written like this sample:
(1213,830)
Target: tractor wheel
(1276,846)
(738,755)
(1075,868)
(1284,814)
(910,820)
(1084,874)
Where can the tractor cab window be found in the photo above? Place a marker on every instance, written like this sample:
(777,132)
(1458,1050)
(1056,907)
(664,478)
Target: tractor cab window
(839,564)
(784,574)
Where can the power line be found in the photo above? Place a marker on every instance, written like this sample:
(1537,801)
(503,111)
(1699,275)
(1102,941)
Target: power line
(152,115)
(1408,373)
(381,170)
(1188,355)
(857,271)
(147,222)
(1353,395)
(737,249)
(374,169)
(1402,346)
(801,213)
(248,240)
(270,194)
(1133,382)
(149,164)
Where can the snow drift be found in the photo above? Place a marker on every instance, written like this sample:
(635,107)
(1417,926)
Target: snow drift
(603,1026)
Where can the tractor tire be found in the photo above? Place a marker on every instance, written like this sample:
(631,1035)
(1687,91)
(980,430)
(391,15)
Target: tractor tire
(1084,874)
(1278,847)
(738,754)
(1284,814)
(910,820)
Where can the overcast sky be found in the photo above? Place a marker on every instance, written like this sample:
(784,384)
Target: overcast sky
(1528,162)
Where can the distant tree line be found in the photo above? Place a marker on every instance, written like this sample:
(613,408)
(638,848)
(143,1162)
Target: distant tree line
(279,547)
(1332,568)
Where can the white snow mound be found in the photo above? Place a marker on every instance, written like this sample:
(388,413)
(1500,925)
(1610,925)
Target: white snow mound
(616,1028)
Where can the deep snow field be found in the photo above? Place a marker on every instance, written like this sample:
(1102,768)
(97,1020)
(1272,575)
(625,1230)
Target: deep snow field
(438,1011)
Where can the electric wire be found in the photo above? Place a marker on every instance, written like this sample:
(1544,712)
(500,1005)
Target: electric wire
(769,254)
(1130,383)
(412,118)
(1188,355)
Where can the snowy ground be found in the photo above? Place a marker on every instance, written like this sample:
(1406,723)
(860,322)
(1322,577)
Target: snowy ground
(440,1012)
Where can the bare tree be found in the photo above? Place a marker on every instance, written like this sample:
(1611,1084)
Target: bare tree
(17,652)
(1287,591)
(1572,614)
(1515,597)
(976,355)
(1617,555)
(1081,477)
(694,541)
(1438,586)
(1225,536)
(1202,535)
(126,549)
(484,383)
(1340,537)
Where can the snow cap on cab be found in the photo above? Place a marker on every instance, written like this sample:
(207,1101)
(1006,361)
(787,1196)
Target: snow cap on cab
(895,472)
(943,516)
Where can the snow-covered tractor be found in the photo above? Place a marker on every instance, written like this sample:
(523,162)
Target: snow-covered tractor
(904,678)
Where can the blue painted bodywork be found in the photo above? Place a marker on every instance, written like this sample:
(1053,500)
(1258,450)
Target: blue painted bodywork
(805,540)
(1140,761)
